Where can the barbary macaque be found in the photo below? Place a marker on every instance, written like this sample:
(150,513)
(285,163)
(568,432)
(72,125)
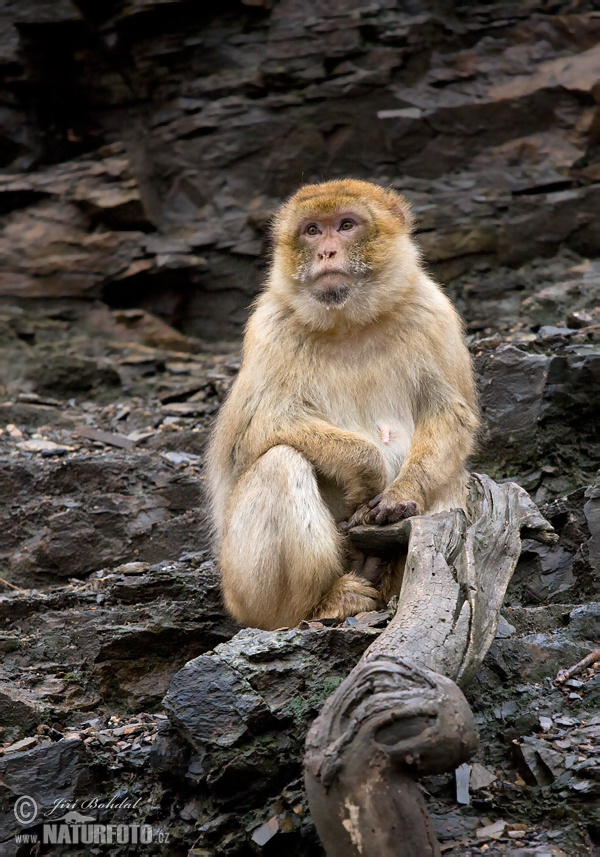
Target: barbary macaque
(354,404)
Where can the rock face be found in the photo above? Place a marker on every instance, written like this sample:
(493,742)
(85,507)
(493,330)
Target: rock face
(144,147)
(534,404)
(228,704)
(115,639)
(82,514)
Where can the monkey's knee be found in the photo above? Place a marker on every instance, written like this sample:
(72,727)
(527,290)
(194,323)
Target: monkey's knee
(281,550)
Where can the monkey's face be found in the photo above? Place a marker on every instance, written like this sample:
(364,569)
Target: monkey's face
(330,261)
(339,252)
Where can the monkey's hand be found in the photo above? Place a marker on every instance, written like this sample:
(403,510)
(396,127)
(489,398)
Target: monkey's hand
(387,508)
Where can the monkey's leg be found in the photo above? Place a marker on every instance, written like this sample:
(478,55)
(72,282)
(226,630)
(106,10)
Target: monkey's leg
(282,551)
(348,459)
(349,595)
(383,576)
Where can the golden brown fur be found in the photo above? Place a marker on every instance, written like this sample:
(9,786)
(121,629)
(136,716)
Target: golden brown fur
(355,382)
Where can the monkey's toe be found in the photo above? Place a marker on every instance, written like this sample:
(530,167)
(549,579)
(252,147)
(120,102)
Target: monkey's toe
(349,595)
(370,568)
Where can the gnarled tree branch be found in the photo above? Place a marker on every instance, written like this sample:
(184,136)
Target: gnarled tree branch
(400,713)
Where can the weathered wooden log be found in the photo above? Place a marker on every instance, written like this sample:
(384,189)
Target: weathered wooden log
(400,714)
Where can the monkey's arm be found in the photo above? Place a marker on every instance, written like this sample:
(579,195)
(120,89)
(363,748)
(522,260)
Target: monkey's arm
(436,457)
(347,458)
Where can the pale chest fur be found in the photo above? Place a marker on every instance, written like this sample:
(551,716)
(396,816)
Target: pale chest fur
(369,392)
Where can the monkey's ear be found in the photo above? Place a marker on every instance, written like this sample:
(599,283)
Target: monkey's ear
(400,208)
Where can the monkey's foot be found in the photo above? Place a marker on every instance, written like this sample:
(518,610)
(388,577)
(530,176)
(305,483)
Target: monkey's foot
(348,596)
(370,568)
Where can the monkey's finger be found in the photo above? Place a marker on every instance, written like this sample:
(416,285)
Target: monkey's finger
(397,514)
(343,527)
(391,514)
(382,515)
(359,517)
(401,511)
(375,501)
(373,514)
(364,515)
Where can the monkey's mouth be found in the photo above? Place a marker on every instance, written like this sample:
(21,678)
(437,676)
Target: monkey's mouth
(335,296)
(331,287)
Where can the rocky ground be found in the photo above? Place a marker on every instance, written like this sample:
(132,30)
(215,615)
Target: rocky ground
(111,601)
(144,147)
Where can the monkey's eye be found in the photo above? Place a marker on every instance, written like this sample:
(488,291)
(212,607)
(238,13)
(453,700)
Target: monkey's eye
(312,229)
(347,224)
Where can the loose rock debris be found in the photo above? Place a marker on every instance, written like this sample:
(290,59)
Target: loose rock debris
(108,548)
(120,321)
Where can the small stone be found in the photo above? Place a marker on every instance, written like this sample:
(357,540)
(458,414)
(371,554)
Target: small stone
(23,744)
(579,319)
(566,720)
(34,399)
(132,568)
(46,447)
(265,832)
(400,113)
(182,457)
(504,629)
(128,730)
(181,409)
(179,368)
(583,785)
(104,437)
(462,776)
(492,831)
(481,777)
(137,436)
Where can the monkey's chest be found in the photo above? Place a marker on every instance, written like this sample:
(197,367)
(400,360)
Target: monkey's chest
(393,439)
(371,397)
(390,428)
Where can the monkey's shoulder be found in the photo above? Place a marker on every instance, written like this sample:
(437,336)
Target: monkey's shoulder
(269,325)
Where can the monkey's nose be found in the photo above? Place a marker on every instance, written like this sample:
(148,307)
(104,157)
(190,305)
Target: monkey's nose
(327,254)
